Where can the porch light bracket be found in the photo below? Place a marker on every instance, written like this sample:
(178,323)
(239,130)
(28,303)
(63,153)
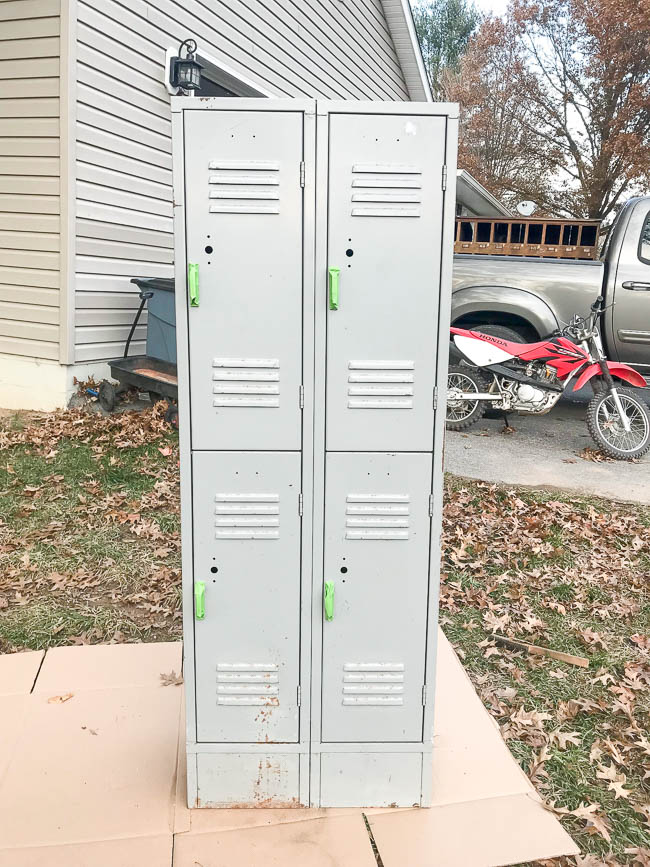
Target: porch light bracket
(185,71)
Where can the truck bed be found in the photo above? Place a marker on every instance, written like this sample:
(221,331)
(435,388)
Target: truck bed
(548,278)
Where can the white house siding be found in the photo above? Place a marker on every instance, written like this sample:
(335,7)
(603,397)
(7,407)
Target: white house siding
(29,178)
(124,208)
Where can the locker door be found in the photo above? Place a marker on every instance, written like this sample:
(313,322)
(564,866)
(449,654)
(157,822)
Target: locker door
(377,531)
(247,554)
(243,192)
(385,217)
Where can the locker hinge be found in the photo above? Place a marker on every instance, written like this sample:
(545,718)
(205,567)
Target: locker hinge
(435,397)
(424,695)
(299,695)
(301,396)
(300,501)
(431,505)
(444,177)
(302,173)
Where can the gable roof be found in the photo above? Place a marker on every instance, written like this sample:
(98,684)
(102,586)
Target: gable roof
(402,30)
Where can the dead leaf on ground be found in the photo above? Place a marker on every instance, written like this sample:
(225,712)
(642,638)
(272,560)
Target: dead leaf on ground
(171,679)
(590,454)
(596,822)
(562,739)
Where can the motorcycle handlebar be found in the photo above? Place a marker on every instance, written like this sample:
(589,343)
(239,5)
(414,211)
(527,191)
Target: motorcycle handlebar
(597,305)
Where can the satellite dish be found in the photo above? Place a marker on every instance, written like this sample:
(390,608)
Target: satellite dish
(526,208)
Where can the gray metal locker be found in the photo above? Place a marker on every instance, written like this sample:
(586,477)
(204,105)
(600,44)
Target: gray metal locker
(383,234)
(314,240)
(247,548)
(243,186)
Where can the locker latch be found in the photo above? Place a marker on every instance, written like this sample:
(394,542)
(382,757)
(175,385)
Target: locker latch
(199,599)
(328,600)
(193,283)
(334,287)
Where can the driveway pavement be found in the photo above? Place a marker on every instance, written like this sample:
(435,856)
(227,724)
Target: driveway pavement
(544,452)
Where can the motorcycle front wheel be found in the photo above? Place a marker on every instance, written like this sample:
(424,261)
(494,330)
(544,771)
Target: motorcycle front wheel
(462,414)
(606,426)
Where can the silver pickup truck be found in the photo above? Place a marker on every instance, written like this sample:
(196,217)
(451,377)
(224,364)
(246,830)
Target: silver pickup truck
(524,298)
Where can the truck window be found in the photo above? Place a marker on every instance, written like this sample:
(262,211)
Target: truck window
(644,242)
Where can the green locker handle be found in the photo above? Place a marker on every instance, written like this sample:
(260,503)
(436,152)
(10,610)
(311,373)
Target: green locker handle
(193,283)
(334,287)
(199,599)
(328,600)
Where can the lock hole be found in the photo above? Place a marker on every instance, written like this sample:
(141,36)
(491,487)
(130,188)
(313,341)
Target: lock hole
(208,249)
(344,569)
(214,570)
(349,252)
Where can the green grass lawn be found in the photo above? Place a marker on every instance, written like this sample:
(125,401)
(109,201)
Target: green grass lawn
(90,552)
(89,530)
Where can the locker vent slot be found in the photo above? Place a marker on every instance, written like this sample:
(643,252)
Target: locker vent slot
(377,516)
(247,516)
(383,190)
(377,384)
(246,382)
(244,187)
(373,683)
(248,683)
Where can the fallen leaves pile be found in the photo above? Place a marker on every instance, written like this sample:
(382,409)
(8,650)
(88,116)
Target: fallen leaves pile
(572,576)
(90,551)
(86,554)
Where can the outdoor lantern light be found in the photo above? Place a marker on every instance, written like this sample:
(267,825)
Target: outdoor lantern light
(185,72)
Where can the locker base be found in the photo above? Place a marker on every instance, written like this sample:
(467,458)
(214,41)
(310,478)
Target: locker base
(243,780)
(371,780)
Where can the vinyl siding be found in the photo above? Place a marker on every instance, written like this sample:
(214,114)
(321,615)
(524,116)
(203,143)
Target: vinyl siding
(29,178)
(124,187)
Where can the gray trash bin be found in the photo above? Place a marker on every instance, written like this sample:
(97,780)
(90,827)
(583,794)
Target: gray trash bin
(161,324)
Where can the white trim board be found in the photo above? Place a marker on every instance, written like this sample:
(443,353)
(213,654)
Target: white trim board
(402,30)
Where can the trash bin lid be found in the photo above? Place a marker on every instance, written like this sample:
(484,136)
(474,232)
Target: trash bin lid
(148,283)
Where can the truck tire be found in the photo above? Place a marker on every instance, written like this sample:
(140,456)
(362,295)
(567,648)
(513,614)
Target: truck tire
(467,378)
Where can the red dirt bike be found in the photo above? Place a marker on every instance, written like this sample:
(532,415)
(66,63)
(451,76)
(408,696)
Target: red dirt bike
(531,377)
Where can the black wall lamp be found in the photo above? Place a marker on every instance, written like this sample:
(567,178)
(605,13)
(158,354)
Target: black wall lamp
(185,72)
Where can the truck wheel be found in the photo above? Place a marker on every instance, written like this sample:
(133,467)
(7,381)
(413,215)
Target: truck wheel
(607,430)
(462,414)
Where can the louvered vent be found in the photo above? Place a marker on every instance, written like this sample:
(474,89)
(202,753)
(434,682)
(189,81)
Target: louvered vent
(377,516)
(247,516)
(377,384)
(373,683)
(246,382)
(244,187)
(248,683)
(386,190)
